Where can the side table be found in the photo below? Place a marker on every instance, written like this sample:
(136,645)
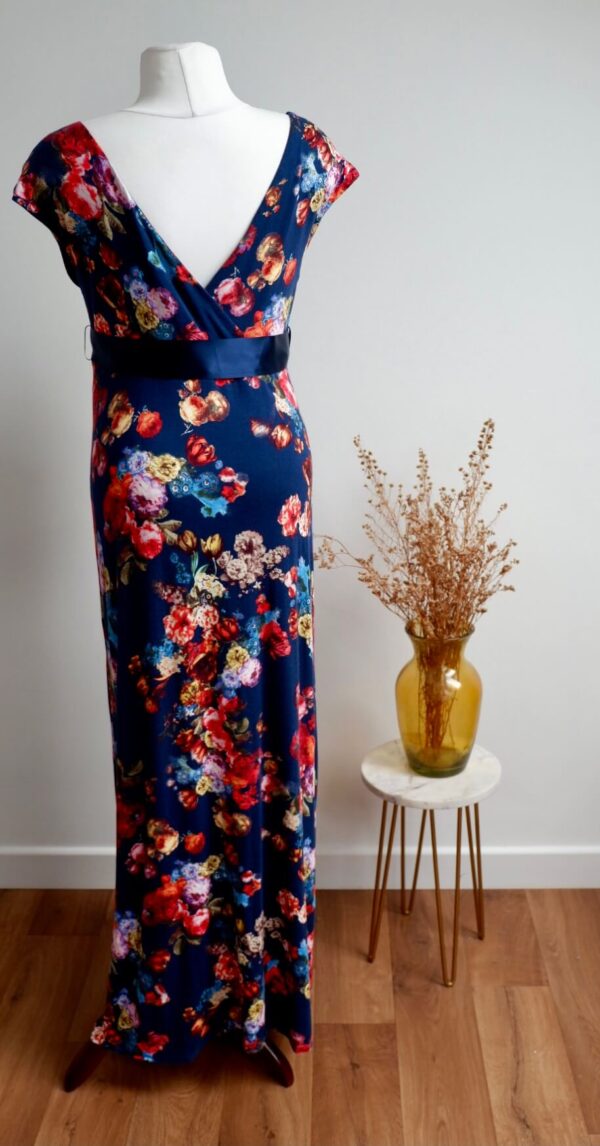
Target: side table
(386,772)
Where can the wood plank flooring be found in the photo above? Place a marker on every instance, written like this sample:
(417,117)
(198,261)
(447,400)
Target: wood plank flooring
(510,1056)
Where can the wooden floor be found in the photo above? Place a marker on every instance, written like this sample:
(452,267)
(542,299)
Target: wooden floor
(510,1056)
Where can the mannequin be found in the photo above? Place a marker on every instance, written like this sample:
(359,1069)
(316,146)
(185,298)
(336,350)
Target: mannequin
(201,490)
(193,156)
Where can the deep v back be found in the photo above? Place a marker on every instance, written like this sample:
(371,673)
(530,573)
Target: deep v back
(278,175)
(134,284)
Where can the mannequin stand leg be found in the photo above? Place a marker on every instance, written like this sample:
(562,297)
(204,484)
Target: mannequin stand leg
(280,1065)
(82,1065)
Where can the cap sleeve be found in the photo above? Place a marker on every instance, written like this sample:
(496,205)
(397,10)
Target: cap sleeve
(36,190)
(332,173)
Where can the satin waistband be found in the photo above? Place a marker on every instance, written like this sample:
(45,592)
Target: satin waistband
(182,358)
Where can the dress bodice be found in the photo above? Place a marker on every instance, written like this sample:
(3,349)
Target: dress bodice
(134,285)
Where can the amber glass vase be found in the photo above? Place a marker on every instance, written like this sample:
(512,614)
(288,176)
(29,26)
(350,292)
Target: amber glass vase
(438,699)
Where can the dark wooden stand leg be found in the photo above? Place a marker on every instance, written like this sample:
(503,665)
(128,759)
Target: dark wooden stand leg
(281,1067)
(82,1065)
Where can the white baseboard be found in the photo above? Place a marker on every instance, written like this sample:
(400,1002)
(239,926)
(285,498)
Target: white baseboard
(503,867)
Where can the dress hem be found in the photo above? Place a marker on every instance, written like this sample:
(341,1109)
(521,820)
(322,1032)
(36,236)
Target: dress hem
(297,1049)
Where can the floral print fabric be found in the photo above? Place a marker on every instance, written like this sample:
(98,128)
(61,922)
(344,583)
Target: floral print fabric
(201,502)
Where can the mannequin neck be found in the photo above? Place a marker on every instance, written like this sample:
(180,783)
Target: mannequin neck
(183,80)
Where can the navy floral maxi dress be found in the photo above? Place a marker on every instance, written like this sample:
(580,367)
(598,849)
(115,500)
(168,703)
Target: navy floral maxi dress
(201,500)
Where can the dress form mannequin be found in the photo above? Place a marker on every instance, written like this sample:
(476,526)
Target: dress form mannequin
(193,156)
(196,428)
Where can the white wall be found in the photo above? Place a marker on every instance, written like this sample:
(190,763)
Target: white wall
(458,279)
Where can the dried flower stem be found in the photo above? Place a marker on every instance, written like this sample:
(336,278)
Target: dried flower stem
(439,561)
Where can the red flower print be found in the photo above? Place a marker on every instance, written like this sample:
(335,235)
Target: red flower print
(286,385)
(276,639)
(119,518)
(182,273)
(109,256)
(159,960)
(198,451)
(227,473)
(318,140)
(246,799)
(101,324)
(194,842)
(228,628)
(149,424)
(204,666)
(235,294)
(180,624)
(120,413)
(197,924)
(289,515)
(232,489)
(82,198)
(153,1043)
(302,211)
(289,270)
(303,746)
(163,905)
(200,1027)
(129,818)
(293,623)
(281,435)
(212,722)
(157,996)
(136,859)
(111,291)
(289,904)
(191,332)
(242,771)
(194,409)
(27,188)
(276,982)
(251,884)
(148,539)
(291,581)
(99,458)
(227,967)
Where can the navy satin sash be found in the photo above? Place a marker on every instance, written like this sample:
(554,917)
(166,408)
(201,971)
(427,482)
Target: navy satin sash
(182,358)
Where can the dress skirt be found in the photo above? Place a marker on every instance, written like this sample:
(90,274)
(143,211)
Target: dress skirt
(202,520)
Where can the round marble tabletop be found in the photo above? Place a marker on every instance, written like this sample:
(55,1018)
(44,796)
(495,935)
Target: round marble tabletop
(386,772)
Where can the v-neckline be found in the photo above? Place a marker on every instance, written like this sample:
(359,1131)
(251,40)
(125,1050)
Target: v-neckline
(157,235)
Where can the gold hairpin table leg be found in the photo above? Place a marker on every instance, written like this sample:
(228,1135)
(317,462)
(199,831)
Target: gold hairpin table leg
(476,871)
(403,908)
(379,891)
(380,888)
(448,980)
